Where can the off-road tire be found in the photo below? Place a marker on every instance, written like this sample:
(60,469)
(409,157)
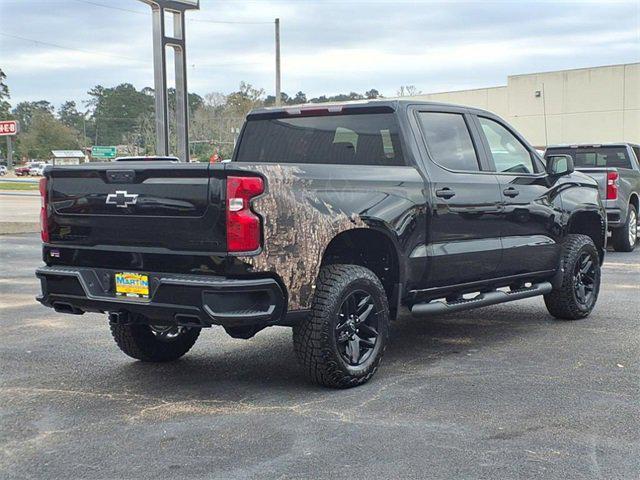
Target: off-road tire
(314,339)
(562,302)
(620,236)
(139,342)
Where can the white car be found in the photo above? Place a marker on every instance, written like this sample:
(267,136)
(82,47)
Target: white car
(36,169)
(3,170)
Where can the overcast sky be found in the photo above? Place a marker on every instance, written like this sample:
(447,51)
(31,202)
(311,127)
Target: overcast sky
(65,47)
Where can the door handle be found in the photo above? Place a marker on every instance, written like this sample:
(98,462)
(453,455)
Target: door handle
(446,192)
(510,192)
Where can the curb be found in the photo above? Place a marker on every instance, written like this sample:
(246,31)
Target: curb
(19,193)
(9,228)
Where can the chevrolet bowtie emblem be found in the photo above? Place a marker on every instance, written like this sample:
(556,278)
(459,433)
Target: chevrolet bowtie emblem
(122,199)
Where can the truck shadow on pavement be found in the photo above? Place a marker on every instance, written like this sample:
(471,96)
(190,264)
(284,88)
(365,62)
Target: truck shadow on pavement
(267,362)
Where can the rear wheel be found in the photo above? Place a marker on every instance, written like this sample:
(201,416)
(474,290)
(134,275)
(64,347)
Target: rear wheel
(154,343)
(342,343)
(625,237)
(578,292)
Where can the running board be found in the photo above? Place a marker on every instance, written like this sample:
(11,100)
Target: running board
(481,300)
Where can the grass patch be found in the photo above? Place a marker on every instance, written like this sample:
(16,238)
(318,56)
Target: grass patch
(4,185)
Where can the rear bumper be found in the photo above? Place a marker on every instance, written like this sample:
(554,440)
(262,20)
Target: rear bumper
(193,300)
(615,217)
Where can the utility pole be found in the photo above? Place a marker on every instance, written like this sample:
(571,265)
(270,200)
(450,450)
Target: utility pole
(278,94)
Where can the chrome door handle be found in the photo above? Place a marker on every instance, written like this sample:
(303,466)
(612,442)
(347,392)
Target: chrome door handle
(510,192)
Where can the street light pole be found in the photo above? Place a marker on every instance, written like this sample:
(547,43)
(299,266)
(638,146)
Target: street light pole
(278,94)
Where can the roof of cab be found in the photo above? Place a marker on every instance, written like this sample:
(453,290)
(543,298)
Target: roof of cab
(394,104)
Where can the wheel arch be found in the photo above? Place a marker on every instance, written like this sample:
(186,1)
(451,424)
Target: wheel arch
(592,224)
(635,201)
(374,249)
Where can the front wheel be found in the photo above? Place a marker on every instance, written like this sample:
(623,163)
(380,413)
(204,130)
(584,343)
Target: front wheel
(154,343)
(342,342)
(625,237)
(577,294)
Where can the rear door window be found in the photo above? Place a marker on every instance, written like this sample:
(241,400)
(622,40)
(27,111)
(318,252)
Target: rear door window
(449,141)
(595,157)
(350,139)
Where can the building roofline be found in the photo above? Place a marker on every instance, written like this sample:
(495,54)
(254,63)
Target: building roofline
(495,87)
(573,69)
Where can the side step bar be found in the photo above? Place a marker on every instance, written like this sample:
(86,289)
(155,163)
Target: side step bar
(482,300)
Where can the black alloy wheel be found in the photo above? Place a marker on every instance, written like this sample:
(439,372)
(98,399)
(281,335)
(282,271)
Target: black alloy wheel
(577,282)
(357,329)
(584,280)
(342,342)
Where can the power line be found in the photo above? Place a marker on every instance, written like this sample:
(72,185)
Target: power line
(198,20)
(93,52)
(63,47)
(110,6)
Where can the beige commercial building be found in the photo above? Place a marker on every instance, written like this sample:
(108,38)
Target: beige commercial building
(586,105)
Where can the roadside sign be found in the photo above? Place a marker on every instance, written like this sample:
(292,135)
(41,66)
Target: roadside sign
(104,152)
(8,127)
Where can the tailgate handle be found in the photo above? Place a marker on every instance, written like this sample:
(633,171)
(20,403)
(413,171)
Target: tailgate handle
(121,176)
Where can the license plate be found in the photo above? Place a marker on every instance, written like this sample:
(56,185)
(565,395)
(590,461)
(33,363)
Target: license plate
(132,285)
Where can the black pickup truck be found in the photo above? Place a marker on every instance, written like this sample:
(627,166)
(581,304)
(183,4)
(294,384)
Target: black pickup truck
(330,219)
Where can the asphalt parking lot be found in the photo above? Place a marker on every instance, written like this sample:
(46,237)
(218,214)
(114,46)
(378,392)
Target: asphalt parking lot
(503,392)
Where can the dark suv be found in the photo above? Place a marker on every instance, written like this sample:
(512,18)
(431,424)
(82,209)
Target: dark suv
(329,219)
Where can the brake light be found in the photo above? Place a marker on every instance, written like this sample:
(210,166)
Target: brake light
(312,110)
(612,185)
(243,226)
(44,214)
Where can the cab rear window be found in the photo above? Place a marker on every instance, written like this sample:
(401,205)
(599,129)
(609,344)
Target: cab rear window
(595,157)
(349,139)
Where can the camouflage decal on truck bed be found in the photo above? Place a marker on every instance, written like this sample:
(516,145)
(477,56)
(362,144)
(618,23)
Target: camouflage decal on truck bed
(298,226)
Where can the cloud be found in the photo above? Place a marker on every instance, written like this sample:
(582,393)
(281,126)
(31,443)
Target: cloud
(327,46)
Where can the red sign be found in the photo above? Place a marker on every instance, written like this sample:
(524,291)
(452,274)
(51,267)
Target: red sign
(8,127)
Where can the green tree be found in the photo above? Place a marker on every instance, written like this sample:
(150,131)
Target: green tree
(241,102)
(5,106)
(300,97)
(116,111)
(25,111)
(69,115)
(373,93)
(46,133)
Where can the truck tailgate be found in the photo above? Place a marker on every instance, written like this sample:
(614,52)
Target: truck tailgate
(153,206)
(600,176)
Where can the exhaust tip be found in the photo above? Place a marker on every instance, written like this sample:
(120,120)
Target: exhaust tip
(63,307)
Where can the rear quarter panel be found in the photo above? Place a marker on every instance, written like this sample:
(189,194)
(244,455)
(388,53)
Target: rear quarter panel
(305,206)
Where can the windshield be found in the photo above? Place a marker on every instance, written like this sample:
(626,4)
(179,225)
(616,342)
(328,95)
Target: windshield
(353,139)
(595,157)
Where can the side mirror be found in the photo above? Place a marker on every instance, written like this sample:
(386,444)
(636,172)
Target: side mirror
(558,165)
